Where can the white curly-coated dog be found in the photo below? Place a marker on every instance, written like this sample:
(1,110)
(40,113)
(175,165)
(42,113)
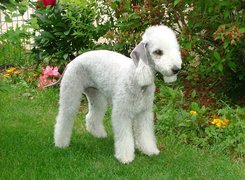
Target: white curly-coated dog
(127,84)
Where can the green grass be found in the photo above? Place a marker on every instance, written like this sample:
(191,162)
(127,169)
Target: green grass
(27,151)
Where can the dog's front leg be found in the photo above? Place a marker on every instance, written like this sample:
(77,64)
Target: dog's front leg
(145,139)
(123,136)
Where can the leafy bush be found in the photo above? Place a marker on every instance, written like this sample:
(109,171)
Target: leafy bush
(25,76)
(211,35)
(12,47)
(131,19)
(66,30)
(218,130)
(13,8)
(212,41)
(14,40)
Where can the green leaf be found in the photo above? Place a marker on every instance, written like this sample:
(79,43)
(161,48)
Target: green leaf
(8,18)
(217,55)
(67,32)
(65,56)
(195,106)
(193,93)
(220,67)
(2,7)
(226,44)
(232,65)
(34,23)
(226,14)
(47,35)
(242,30)
(176,2)
(188,45)
(203,110)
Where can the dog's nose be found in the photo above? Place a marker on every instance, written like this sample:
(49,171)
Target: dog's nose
(175,69)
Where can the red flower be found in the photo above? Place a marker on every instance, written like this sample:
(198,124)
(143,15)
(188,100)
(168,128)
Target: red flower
(45,3)
(49,2)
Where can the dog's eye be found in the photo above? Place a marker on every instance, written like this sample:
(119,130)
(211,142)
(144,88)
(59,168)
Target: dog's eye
(158,52)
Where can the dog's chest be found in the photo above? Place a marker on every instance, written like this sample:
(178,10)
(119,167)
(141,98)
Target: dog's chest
(143,100)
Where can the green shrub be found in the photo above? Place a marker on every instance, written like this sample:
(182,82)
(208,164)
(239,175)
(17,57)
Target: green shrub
(211,35)
(212,41)
(218,130)
(25,76)
(13,8)
(66,30)
(12,47)
(131,19)
(14,40)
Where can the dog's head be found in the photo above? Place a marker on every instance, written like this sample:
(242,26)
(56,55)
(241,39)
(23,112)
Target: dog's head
(159,50)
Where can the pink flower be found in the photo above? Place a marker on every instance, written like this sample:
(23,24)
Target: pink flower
(43,81)
(47,71)
(51,71)
(49,75)
(55,71)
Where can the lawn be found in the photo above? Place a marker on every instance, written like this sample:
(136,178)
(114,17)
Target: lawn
(27,151)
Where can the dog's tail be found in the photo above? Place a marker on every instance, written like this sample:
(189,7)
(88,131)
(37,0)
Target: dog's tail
(56,82)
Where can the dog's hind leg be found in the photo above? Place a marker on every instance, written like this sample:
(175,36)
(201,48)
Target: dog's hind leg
(70,98)
(97,108)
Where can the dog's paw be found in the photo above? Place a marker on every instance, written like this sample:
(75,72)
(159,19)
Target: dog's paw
(152,152)
(125,159)
(149,151)
(98,132)
(61,142)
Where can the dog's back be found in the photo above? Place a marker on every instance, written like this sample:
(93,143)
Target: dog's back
(94,67)
(103,60)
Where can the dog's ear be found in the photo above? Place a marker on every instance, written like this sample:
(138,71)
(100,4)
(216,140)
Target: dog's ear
(143,72)
(139,52)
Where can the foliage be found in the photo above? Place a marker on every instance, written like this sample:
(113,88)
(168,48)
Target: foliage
(12,47)
(212,42)
(26,76)
(219,130)
(13,8)
(13,42)
(211,35)
(131,20)
(66,30)
(211,29)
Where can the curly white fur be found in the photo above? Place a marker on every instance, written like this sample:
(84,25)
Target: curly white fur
(128,85)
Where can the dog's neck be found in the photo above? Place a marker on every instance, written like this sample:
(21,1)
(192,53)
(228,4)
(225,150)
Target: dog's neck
(144,75)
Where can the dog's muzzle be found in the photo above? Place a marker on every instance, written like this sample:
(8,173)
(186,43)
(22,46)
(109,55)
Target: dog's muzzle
(175,69)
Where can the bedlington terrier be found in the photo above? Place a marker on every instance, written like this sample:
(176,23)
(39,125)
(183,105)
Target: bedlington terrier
(127,84)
